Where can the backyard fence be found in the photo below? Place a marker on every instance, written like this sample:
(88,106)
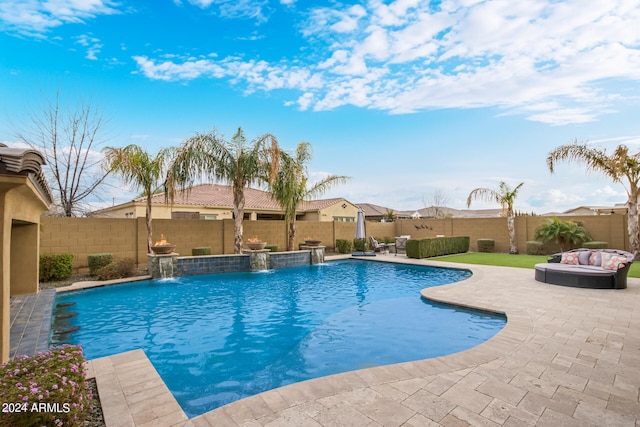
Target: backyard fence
(127,237)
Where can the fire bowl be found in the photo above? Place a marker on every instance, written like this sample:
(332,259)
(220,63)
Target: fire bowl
(162,249)
(256,246)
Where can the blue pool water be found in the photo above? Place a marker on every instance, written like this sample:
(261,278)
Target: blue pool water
(217,338)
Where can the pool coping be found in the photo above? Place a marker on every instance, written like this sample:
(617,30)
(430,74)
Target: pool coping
(565,357)
(135,400)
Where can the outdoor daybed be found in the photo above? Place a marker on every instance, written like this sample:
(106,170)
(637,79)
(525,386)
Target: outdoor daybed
(587,268)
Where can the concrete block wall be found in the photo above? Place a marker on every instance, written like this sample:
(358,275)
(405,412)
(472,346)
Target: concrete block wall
(85,236)
(127,237)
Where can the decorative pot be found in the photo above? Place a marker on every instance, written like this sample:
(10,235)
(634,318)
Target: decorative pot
(312,242)
(256,246)
(162,249)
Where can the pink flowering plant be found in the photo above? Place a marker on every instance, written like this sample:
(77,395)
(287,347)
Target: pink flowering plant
(48,389)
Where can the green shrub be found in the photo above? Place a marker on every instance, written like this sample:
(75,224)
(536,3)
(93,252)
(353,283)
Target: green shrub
(360,245)
(201,250)
(344,246)
(97,261)
(55,266)
(595,245)
(117,270)
(439,246)
(566,234)
(272,248)
(486,245)
(535,248)
(49,389)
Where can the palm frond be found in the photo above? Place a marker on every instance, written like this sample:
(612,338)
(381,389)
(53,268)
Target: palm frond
(485,194)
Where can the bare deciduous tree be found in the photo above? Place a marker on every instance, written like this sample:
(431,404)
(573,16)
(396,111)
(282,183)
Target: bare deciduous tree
(438,201)
(69,140)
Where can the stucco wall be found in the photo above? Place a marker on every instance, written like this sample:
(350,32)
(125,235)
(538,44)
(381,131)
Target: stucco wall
(21,205)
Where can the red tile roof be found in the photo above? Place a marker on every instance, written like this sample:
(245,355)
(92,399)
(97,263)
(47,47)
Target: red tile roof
(216,195)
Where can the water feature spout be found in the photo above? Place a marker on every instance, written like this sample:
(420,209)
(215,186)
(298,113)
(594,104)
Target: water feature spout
(165,265)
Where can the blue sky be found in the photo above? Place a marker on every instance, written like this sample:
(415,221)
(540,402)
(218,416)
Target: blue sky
(407,97)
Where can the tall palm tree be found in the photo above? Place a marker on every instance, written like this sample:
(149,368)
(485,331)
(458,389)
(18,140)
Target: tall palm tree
(236,162)
(506,197)
(290,188)
(137,167)
(620,166)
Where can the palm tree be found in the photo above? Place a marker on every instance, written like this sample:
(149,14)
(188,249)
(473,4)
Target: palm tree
(620,166)
(137,167)
(505,196)
(290,188)
(562,232)
(234,162)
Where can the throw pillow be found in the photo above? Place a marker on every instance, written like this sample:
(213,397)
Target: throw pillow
(612,261)
(595,258)
(569,258)
(583,257)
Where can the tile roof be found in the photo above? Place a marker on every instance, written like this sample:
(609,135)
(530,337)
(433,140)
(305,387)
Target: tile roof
(217,195)
(28,162)
(369,209)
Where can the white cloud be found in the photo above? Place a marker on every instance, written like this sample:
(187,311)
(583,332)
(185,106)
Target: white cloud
(235,9)
(256,74)
(92,44)
(35,17)
(557,198)
(549,61)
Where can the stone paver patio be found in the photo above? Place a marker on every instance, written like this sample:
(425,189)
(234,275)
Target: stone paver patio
(567,357)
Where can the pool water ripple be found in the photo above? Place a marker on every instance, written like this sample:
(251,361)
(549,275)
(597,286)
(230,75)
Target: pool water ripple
(215,339)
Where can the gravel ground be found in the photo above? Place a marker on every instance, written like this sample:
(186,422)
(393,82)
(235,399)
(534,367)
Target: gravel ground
(94,416)
(81,278)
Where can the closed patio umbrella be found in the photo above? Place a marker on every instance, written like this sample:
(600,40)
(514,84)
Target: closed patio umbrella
(361,233)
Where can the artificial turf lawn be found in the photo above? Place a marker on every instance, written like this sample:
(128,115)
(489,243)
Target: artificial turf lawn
(507,260)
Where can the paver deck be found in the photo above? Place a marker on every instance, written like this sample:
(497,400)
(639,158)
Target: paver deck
(567,357)
(30,323)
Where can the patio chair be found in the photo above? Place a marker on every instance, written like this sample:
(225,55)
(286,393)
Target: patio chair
(401,243)
(379,247)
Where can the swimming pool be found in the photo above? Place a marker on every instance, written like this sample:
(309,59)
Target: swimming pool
(218,338)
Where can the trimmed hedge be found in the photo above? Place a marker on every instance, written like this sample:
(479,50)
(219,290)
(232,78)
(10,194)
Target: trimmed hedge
(486,245)
(595,245)
(343,246)
(201,250)
(272,248)
(535,248)
(438,246)
(97,261)
(55,266)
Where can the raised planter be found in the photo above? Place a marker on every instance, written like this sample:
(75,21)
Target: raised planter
(312,242)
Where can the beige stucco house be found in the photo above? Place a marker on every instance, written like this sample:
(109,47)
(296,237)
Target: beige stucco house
(215,201)
(24,195)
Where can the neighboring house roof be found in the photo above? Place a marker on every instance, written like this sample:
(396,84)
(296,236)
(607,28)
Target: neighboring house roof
(430,212)
(596,210)
(369,209)
(25,162)
(314,205)
(217,195)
